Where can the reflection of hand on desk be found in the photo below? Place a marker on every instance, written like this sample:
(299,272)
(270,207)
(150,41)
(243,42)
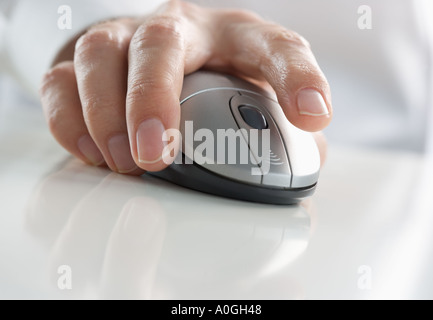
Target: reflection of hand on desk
(143,238)
(372,208)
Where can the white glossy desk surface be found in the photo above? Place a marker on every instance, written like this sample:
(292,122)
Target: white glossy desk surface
(126,237)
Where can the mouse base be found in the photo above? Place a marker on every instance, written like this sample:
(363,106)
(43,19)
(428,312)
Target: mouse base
(199,179)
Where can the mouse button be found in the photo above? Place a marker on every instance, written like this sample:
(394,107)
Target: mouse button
(212,138)
(300,147)
(209,109)
(303,154)
(203,81)
(202,116)
(268,142)
(253,117)
(247,112)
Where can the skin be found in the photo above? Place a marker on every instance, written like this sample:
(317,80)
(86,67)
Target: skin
(122,72)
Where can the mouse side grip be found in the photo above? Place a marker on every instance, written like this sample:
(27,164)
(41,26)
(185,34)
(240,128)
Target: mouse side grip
(200,179)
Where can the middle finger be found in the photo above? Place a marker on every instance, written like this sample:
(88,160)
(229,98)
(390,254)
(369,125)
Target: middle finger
(101,66)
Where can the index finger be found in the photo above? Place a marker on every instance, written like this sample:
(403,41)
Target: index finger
(265,50)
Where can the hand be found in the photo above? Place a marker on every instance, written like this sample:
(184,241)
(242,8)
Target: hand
(111,103)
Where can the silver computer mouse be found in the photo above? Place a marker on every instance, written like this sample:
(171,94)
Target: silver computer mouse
(236,142)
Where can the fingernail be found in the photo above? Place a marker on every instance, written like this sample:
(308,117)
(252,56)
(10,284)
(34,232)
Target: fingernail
(311,103)
(89,149)
(121,153)
(150,146)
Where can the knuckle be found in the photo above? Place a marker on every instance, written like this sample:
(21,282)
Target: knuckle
(274,33)
(145,89)
(53,119)
(54,116)
(94,41)
(136,93)
(93,105)
(243,15)
(166,27)
(309,72)
(52,77)
(303,68)
(53,112)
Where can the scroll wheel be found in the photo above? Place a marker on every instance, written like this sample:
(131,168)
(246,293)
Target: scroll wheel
(253,117)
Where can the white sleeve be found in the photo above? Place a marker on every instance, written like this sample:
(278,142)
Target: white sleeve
(2,30)
(37,30)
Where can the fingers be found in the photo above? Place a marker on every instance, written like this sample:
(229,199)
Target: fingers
(62,109)
(82,241)
(101,69)
(133,251)
(114,105)
(52,201)
(283,58)
(157,65)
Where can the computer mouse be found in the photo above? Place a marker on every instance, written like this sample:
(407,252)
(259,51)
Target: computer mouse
(236,142)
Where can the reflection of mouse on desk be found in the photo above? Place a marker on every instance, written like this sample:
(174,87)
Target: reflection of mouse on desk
(237,143)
